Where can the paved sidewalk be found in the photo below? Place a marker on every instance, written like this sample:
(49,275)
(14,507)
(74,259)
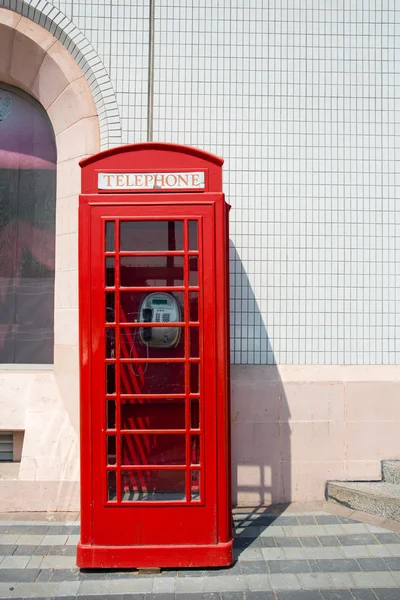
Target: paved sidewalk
(310,552)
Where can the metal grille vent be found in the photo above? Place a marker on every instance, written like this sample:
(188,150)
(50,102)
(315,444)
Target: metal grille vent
(6,447)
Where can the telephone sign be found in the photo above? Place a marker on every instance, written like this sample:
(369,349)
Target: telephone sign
(154,352)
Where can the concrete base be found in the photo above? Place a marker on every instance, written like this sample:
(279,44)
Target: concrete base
(391,471)
(375,497)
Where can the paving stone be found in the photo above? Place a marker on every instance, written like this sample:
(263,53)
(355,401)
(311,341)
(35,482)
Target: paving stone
(92,574)
(375,529)
(294,553)
(272,532)
(300,595)
(247,543)
(315,581)
(288,542)
(253,567)
(388,538)
(323,553)
(248,553)
(189,584)
(305,530)
(327,520)
(342,580)
(9,539)
(374,579)
(310,542)
(341,565)
(336,595)
(285,521)
(132,585)
(354,540)
(7,549)
(39,590)
(251,532)
(262,595)
(393,563)
(44,575)
(54,540)
(259,582)
(14,562)
(72,540)
(378,551)
(66,575)
(67,588)
(58,562)
(329,540)
(226,583)
(62,551)
(356,551)
(25,550)
(192,573)
(6,589)
(394,549)
(162,585)
(186,596)
(232,570)
(19,574)
(273,553)
(42,550)
(363,594)
(289,566)
(347,520)
(372,564)
(231,596)
(357,529)
(313,566)
(34,562)
(337,529)
(386,594)
(30,540)
(70,530)
(285,581)
(307,520)
(268,542)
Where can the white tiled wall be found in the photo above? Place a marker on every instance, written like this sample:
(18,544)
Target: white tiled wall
(301,99)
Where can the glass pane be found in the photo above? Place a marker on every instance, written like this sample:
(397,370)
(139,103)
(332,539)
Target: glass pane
(195,450)
(111,450)
(194,342)
(194,306)
(110,379)
(146,413)
(152,342)
(110,272)
(152,378)
(153,449)
(150,271)
(194,378)
(27,230)
(111,419)
(195,485)
(151,236)
(110,342)
(110,236)
(110,307)
(111,485)
(167,485)
(193,244)
(132,305)
(193,271)
(194,413)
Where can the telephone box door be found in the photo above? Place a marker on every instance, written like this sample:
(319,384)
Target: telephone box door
(153,415)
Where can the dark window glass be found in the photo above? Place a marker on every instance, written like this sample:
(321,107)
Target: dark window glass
(151,235)
(27,230)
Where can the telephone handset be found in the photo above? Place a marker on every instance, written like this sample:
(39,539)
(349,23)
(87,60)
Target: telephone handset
(160,307)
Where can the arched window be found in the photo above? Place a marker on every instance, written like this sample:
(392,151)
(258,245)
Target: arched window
(27,229)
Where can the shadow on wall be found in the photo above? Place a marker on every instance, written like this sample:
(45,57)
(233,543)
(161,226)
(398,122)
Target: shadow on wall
(261,467)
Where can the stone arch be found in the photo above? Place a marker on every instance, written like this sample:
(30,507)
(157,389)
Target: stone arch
(52,20)
(32,59)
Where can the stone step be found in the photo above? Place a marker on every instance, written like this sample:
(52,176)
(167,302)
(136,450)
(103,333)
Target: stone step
(375,497)
(391,471)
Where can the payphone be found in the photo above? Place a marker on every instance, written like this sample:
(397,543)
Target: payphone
(154,356)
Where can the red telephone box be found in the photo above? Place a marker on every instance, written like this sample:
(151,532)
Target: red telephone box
(154,352)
